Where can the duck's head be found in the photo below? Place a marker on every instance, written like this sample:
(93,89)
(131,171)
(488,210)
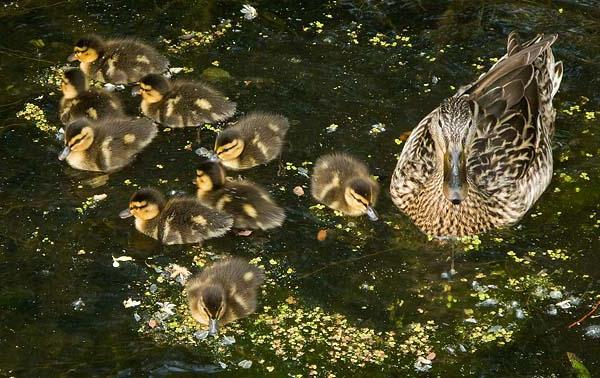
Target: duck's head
(212,302)
(152,87)
(451,134)
(87,49)
(210,175)
(79,136)
(360,195)
(145,204)
(229,144)
(73,83)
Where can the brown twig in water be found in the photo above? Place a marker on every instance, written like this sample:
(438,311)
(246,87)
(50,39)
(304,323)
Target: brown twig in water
(576,323)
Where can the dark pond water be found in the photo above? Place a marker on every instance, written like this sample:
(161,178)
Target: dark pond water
(371,298)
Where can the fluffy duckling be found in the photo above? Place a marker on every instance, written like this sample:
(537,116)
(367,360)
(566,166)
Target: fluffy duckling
(106,145)
(79,101)
(182,103)
(180,220)
(117,61)
(255,139)
(250,205)
(224,292)
(343,183)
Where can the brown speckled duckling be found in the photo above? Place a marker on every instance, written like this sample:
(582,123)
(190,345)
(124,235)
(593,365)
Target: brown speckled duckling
(180,220)
(343,183)
(182,103)
(117,61)
(105,145)
(250,205)
(79,101)
(224,292)
(255,139)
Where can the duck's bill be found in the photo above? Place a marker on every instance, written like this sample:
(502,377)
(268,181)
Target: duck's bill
(455,176)
(125,214)
(136,91)
(213,327)
(372,214)
(65,152)
(72,57)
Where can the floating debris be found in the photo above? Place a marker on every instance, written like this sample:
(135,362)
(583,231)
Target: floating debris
(245,364)
(118,260)
(593,331)
(228,340)
(299,191)
(78,304)
(377,128)
(201,335)
(332,128)
(131,303)
(249,12)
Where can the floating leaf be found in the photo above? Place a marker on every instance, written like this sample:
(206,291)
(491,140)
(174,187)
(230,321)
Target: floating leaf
(215,74)
(245,364)
(322,235)
(579,368)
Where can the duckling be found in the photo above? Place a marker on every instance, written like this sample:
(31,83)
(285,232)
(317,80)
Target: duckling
(224,292)
(343,183)
(80,101)
(250,205)
(255,139)
(182,103)
(105,145)
(180,220)
(117,61)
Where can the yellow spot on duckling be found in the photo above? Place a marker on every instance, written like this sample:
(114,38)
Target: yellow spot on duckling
(248,276)
(111,65)
(142,59)
(171,105)
(250,210)
(203,103)
(223,201)
(129,138)
(92,113)
(260,145)
(335,182)
(199,219)
(107,151)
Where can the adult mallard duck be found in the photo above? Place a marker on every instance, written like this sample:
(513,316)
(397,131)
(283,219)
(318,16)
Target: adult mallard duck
(483,157)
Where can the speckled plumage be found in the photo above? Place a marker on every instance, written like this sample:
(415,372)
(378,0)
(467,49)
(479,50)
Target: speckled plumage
(508,146)
(189,103)
(184,220)
(239,282)
(115,143)
(93,104)
(331,176)
(124,60)
(263,135)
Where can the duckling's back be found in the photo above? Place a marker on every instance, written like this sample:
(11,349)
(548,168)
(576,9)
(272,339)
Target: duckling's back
(93,105)
(332,172)
(127,60)
(186,220)
(250,205)
(263,134)
(118,140)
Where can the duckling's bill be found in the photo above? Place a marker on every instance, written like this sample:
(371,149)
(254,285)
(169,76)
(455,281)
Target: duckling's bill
(372,214)
(65,152)
(125,214)
(213,326)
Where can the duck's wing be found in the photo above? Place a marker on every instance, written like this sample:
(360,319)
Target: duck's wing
(187,220)
(416,163)
(509,123)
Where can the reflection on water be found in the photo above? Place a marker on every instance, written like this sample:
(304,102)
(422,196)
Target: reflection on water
(380,297)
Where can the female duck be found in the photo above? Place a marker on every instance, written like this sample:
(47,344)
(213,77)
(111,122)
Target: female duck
(483,157)
(182,103)
(117,61)
(250,205)
(224,292)
(180,220)
(343,183)
(79,101)
(254,140)
(106,145)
